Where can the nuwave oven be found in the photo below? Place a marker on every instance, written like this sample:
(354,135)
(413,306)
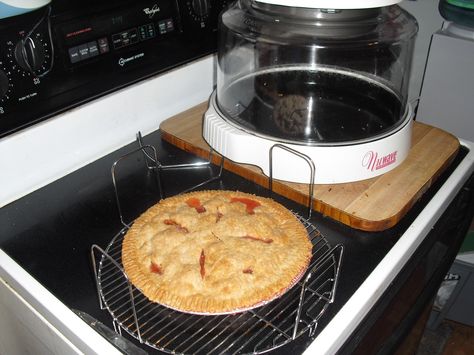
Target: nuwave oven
(88,92)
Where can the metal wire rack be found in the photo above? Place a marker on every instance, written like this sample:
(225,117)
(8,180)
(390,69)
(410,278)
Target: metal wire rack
(254,331)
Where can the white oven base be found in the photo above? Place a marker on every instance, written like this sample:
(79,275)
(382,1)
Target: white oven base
(34,321)
(333,163)
(24,331)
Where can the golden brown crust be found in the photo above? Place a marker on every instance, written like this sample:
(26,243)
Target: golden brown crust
(215,251)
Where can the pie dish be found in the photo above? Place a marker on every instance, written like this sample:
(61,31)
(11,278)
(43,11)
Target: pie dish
(215,252)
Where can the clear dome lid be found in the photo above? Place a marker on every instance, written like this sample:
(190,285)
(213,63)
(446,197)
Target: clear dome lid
(311,75)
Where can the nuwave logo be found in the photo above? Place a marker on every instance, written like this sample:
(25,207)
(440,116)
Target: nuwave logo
(372,162)
(151,12)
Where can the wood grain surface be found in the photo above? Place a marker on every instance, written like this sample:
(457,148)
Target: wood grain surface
(372,205)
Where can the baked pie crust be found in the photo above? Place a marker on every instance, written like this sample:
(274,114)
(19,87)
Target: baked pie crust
(215,252)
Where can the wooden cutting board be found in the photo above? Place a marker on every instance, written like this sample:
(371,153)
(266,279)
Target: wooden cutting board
(372,205)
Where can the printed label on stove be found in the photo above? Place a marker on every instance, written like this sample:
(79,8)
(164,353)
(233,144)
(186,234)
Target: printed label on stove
(123,61)
(151,11)
(372,162)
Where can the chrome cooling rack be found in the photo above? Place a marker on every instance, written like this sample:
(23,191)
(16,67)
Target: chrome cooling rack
(255,331)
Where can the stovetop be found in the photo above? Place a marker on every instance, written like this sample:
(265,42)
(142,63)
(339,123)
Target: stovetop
(50,231)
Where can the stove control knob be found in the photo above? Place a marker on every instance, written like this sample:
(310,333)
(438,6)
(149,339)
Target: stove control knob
(30,54)
(199,11)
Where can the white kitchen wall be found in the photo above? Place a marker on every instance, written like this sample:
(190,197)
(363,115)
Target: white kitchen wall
(429,20)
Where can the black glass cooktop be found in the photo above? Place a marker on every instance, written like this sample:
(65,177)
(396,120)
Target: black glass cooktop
(50,231)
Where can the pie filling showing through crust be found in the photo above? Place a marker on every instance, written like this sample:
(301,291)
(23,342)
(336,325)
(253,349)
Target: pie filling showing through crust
(215,252)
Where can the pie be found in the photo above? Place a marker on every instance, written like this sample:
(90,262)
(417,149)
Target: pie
(215,252)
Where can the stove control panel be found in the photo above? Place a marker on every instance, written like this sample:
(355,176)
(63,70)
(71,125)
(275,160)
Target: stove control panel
(72,51)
